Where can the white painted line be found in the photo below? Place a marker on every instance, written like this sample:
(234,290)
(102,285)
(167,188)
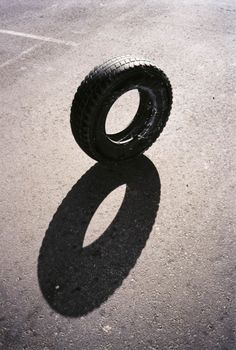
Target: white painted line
(38,37)
(23,53)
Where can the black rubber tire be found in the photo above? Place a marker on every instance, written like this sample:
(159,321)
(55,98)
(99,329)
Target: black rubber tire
(97,93)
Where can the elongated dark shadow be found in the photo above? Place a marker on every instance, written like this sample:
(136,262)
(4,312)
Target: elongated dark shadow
(75,280)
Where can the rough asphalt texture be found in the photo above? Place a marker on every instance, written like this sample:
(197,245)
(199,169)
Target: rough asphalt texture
(156,278)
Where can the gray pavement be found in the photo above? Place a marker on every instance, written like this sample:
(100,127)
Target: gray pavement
(157,270)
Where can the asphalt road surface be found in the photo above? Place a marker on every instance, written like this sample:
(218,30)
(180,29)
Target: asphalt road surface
(156,268)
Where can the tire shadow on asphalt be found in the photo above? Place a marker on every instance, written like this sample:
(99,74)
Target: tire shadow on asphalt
(74,279)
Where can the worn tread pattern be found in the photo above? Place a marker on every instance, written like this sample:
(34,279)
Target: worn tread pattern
(91,90)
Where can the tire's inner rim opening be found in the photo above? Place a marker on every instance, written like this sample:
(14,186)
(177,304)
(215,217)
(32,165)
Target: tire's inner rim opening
(122,112)
(144,113)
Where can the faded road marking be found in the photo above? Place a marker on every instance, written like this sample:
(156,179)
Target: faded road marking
(38,37)
(23,53)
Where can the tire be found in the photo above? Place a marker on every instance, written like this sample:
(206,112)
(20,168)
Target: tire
(97,93)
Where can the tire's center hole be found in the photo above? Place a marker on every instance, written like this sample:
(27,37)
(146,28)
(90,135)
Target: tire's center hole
(122,112)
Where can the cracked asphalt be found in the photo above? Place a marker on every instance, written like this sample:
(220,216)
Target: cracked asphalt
(140,256)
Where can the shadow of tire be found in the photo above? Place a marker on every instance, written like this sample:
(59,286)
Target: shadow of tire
(75,280)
